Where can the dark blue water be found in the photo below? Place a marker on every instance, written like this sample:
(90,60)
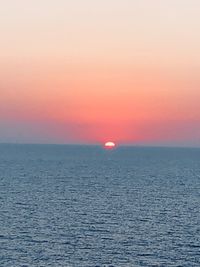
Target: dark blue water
(77,206)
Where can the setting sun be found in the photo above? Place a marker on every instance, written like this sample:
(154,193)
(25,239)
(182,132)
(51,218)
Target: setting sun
(109,145)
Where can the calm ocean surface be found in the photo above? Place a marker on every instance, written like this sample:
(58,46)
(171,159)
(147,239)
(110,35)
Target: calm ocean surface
(82,206)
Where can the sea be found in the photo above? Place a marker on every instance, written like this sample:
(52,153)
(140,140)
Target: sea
(84,206)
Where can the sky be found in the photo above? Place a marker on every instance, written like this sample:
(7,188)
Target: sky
(94,71)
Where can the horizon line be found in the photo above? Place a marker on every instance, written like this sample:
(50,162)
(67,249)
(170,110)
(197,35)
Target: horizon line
(101,145)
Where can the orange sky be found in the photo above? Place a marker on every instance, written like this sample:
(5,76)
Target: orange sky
(125,71)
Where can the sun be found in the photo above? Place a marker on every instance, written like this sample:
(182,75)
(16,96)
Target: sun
(109,145)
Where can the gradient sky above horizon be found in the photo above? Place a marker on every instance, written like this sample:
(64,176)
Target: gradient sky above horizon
(92,71)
